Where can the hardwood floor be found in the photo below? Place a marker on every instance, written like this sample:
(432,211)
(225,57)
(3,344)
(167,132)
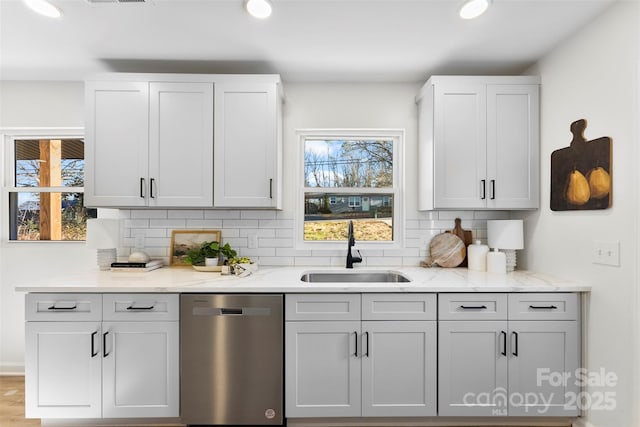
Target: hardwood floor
(12,403)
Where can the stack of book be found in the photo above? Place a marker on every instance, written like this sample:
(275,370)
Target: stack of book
(136,266)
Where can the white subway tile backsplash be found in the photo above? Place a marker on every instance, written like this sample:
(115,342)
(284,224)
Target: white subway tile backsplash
(293,252)
(149,213)
(240,223)
(275,243)
(277,261)
(276,234)
(257,215)
(312,260)
(186,213)
(215,214)
(168,223)
(268,233)
(278,223)
(452,215)
(204,224)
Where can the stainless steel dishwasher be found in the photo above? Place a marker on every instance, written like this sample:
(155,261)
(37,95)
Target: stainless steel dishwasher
(231,359)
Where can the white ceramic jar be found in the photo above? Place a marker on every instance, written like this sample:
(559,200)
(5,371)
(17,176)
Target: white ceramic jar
(477,256)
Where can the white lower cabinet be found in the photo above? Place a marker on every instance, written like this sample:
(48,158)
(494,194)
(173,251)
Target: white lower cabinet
(63,370)
(508,367)
(360,367)
(126,366)
(140,369)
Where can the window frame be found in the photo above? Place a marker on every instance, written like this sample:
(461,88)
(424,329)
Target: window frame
(397,190)
(8,136)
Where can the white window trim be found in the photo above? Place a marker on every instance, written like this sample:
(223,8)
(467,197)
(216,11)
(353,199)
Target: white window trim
(398,137)
(7,138)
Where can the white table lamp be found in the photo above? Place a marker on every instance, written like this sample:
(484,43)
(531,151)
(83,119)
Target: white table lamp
(506,235)
(104,235)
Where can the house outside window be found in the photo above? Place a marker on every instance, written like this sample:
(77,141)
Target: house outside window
(45,190)
(350,176)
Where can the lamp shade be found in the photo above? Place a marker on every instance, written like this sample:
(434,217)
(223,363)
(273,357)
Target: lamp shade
(505,234)
(103,233)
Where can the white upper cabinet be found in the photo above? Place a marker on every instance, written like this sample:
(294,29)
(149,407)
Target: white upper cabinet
(116,143)
(149,144)
(479,143)
(150,141)
(181,144)
(248,142)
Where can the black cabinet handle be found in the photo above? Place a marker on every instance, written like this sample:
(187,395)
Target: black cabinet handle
(543,307)
(94,353)
(473,307)
(493,189)
(53,307)
(104,344)
(484,189)
(515,347)
(503,334)
(355,333)
(271,188)
(131,307)
(367,353)
(142,187)
(151,188)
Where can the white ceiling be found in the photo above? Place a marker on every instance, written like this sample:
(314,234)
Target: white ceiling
(304,40)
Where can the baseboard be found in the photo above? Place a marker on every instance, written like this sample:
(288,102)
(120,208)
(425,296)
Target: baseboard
(11,369)
(581,422)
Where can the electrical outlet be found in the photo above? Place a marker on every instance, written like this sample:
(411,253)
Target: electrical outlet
(606,253)
(252,242)
(139,241)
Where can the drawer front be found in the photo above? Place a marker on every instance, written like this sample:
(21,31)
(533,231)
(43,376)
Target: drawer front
(543,306)
(141,307)
(322,307)
(63,307)
(399,307)
(476,306)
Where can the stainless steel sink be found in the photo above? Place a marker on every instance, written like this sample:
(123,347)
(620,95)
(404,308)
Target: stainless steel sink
(354,277)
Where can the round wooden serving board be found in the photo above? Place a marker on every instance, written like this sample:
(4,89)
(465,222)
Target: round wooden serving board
(446,250)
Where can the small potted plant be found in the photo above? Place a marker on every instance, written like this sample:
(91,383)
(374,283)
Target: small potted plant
(207,254)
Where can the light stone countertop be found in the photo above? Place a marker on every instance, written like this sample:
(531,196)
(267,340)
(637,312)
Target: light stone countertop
(287,280)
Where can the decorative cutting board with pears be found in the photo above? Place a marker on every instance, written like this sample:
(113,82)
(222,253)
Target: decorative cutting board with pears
(581,173)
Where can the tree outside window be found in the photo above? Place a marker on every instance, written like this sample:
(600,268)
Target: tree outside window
(46,202)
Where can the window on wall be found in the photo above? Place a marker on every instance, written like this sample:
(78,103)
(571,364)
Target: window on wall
(350,176)
(46,190)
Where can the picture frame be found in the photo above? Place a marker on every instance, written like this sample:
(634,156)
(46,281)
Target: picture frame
(182,241)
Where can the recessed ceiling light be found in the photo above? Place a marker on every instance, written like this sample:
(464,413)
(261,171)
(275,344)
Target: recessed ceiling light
(260,9)
(474,8)
(44,8)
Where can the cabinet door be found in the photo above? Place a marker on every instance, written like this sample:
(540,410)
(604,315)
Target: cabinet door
(181,144)
(116,143)
(512,146)
(247,143)
(460,145)
(63,370)
(399,368)
(472,372)
(322,369)
(140,369)
(540,353)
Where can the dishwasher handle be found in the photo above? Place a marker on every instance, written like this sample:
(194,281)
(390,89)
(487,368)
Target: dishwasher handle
(231,311)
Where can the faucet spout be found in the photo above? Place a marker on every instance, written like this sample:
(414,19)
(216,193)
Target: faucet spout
(351,241)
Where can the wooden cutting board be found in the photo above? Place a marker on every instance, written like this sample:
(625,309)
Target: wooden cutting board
(446,250)
(465,235)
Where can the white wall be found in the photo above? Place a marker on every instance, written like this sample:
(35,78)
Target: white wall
(33,104)
(593,76)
